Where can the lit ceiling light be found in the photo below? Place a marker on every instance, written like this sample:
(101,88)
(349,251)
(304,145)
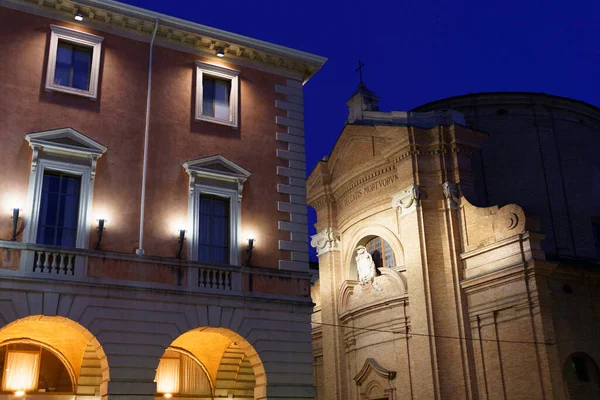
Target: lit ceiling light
(79,17)
(220,52)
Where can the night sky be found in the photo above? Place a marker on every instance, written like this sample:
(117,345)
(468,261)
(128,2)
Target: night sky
(417,51)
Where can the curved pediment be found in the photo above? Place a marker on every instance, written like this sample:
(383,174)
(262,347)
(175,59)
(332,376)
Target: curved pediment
(372,367)
(389,286)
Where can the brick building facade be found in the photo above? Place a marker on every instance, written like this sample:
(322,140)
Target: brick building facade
(155,176)
(486,299)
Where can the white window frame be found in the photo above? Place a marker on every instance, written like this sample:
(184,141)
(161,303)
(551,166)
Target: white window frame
(49,155)
(235,220)
(86,191)
(78,38)
(204,180)
(217,71)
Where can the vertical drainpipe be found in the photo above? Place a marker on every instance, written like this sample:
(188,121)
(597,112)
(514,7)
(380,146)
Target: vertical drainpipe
(140,250)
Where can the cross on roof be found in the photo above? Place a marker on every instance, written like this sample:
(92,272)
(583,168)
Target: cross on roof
(359,69)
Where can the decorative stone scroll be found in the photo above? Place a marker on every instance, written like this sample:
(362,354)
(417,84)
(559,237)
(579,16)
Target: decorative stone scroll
(325,241)
(406,198)
(452,194)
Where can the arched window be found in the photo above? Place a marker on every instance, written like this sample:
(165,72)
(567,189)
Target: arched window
(180,374)
(581,376)
(30,368)
(381,252)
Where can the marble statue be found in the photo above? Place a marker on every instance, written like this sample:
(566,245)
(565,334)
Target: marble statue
(365,266)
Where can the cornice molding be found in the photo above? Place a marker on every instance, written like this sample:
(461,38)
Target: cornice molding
(125,20)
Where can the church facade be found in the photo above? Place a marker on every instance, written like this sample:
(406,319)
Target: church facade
(153,237)
(428,287)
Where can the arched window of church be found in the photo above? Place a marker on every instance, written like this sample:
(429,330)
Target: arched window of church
(381,252)
(582,379)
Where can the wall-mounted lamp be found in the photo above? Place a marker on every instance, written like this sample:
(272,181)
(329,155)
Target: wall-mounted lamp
(181,240)
(19,393)
(101,223)
(220,52)
(249,251)
(167,395)
(15,221)
(79,17)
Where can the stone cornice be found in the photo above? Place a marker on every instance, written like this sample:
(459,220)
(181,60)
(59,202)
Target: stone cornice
(136,22)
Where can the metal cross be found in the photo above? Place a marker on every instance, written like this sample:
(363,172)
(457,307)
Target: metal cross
(359,69)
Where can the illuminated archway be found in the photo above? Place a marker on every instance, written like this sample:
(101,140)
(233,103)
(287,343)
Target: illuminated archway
(228,363)
(71,344)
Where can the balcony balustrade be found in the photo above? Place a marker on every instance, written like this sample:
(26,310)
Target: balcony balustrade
(30,261)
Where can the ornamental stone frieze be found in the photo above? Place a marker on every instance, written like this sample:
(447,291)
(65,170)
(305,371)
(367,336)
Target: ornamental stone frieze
(325,241)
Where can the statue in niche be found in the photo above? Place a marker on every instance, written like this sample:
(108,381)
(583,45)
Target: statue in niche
(367,271)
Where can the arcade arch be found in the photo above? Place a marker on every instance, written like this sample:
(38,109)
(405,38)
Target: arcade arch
(44,356)
(210,363)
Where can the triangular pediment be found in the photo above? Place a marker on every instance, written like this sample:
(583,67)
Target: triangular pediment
(65,140)
(370,366)
(217,167)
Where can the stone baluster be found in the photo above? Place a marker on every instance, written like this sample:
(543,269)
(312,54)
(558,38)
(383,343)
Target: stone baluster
(227,280)
(70,270)
(53,265)
(62,269)
(46,262)
(38,261)
(220,284)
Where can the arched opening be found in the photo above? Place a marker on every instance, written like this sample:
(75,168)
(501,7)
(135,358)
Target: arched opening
(209,363)
(581,377)
(43,356)
(29,367)
(380,250)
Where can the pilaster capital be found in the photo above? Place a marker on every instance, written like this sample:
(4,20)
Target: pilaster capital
(325,241)
(451,194)
(406,198)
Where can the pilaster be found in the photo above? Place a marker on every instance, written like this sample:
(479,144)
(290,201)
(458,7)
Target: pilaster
(327,243)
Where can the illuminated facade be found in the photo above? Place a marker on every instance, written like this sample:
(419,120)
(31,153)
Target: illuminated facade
(483,301)
(154,239)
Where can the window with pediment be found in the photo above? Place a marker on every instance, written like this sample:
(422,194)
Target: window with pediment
(61,185)
(214,209)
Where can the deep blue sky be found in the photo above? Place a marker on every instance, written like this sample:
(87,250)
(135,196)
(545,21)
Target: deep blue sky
(417,51)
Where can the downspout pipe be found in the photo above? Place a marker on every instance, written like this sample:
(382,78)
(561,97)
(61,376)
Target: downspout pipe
(140,250)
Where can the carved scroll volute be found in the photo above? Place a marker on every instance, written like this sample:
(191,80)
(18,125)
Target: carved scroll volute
(451,194)
(325,241)
(407,199)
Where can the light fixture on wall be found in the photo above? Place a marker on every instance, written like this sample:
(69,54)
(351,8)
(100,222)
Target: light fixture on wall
(101,223)
(19,393)
(79,17)
(220,52)
(181,240)
(249,251)
(15,221)
(167,395)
